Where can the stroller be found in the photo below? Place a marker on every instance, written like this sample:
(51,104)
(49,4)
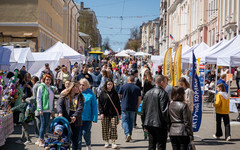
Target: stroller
(52,138)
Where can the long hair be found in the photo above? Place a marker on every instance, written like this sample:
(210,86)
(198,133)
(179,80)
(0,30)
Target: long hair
(148,76)
(105,85)
(182,79)
(222,87)
(177,93)
(67,92)
(104,73)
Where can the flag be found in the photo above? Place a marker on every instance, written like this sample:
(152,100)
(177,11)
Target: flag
(177,65)
(197,99)
(168,71)
(171,37)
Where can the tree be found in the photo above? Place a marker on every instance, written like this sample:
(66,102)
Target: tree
(107,44)
(134,33)
(86,25)
(134,42)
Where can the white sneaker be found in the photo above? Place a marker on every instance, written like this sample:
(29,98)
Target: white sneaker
(37,143)
(216,137)
(114,146)
(27,142)
(19,141)
(228,138)
(106,145)
(88,147)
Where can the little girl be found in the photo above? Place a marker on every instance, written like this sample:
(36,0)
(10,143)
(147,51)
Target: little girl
(222,111)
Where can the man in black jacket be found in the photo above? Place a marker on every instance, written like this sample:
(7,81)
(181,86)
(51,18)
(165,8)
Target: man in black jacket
(85,74)
(155,115)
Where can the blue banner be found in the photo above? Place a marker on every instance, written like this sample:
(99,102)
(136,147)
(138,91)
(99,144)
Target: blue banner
(197,99)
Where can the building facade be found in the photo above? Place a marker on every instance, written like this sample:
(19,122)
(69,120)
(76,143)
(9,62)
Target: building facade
(150,36)
(40,22)
(191,22)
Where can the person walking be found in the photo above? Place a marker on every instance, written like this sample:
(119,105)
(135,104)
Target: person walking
(70,105)
(85,74)
(188,92)
(110,112)
(155,115)
(89,115)
(222,111)
(103,81)
(32,100)
(181,132)
(96,76)
(130,96)
(45,105)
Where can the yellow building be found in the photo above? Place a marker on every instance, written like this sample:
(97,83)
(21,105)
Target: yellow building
(39,22)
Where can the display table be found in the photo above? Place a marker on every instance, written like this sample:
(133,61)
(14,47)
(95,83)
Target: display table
(232,104)
(6,127)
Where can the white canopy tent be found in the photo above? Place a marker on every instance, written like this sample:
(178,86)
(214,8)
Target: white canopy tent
(225,59)
(141,54)
(210,49)
(66,51)
(23,56)
(6,57)
(228,47)
(187,56)
(41,59)
(130,52)
(121,54)
(235,61)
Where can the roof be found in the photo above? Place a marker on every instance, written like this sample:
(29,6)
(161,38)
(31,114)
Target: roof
(95,52)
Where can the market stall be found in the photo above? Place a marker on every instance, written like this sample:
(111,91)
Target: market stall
(6,126)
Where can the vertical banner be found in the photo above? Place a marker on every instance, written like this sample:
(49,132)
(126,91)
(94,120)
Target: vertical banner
(168,71)
(177,65)
(197,99)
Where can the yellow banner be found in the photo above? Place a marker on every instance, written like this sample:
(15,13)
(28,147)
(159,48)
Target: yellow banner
(177,65)
(168,71)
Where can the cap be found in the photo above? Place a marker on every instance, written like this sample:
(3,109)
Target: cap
(46,64)
(58,128)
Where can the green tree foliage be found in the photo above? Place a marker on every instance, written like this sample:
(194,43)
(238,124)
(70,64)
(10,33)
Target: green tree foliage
(86,25)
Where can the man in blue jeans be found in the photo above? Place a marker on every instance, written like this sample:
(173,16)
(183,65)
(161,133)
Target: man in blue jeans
(130,95)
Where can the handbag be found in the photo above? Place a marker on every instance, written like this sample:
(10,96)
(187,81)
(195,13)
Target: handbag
(191,146)
(113,105)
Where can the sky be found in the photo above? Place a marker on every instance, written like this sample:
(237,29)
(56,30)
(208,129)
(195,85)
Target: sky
(111,27)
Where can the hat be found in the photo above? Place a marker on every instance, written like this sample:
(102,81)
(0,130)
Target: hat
(46,64)
(58,128)
(116,69)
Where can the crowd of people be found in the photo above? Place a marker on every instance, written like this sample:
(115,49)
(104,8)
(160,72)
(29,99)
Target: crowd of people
(112,89)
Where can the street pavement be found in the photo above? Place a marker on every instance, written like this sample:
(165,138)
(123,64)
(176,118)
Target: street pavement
(203,138)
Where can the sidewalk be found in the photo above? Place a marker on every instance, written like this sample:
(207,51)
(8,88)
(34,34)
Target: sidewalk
(206,131)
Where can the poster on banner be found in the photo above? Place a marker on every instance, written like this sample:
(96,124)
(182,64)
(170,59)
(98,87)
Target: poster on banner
(201,76)
(229,77)
(197,99)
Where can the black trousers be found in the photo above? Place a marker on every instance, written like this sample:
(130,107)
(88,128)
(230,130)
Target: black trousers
(226,121)
(180,142)
(157,138)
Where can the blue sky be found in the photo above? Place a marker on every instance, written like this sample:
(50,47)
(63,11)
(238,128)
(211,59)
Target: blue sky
(111,28)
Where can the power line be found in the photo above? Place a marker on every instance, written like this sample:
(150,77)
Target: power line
(126,17)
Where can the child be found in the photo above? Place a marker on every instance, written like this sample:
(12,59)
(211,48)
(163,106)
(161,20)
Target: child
(57,131)
(222,111)
(22,108)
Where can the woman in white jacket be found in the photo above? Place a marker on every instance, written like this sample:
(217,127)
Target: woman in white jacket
(188,92)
